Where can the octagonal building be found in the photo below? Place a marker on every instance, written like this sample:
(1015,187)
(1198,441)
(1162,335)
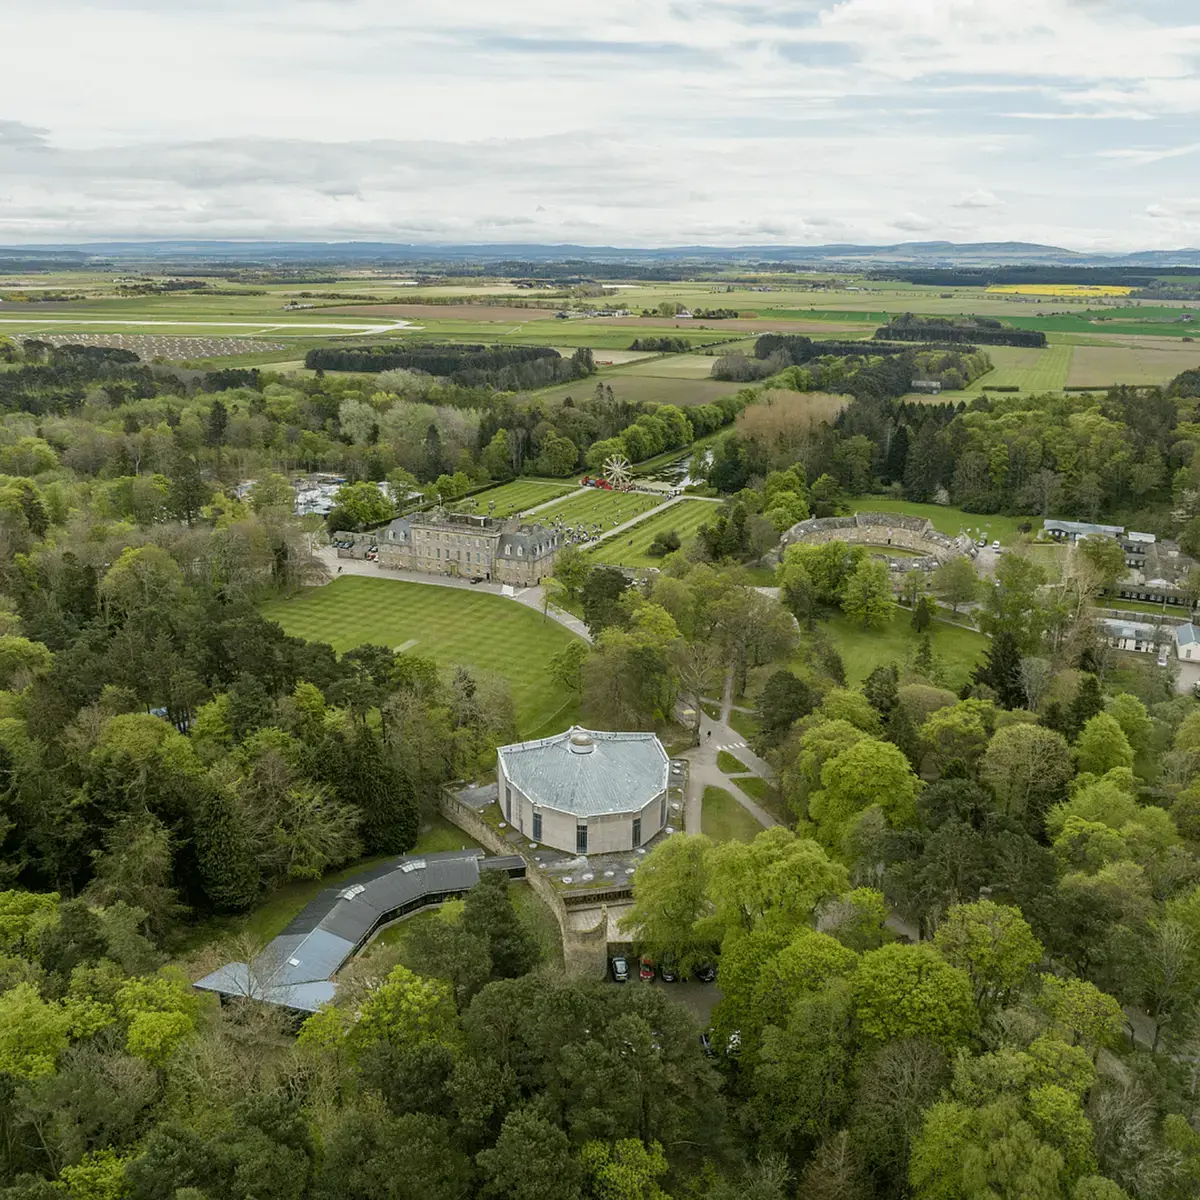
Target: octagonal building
(586,791)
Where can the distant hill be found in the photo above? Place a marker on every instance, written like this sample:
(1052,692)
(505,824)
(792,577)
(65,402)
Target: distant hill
(925,254)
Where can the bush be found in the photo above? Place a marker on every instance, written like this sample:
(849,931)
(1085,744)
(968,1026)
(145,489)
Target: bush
(664,544)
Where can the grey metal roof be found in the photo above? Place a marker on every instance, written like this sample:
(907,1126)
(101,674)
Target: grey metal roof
(588,772)
(1128,629)
(296,967)
(1148,538)
(1187,635)
(1082,527)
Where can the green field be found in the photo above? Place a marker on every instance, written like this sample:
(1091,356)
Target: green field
(947,520)
(863,650)
(629,549)
(515,497)
(450,625)
(598,506)
(1032,371)
(723,819)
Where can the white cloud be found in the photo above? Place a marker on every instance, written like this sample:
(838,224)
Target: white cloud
(978,198)
(629,122)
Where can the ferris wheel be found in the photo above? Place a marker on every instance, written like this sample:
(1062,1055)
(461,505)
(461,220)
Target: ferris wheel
(617,472)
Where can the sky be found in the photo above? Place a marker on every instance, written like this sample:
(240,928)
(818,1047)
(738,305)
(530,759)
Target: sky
(627,122)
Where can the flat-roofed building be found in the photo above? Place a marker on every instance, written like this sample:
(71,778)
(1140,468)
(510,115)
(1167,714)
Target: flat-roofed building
(586,791)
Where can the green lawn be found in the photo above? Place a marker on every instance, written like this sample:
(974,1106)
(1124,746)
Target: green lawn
(863,650)
(450,625)
(629,549)
(947,520)
(723,819)
(600,507)
(730,764)
(514,497)
(766,797)
(745,724)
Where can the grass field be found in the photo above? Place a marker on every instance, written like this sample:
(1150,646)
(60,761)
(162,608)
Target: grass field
(600,507)
(745,723)
(1099,366)
(723,819)
(629,549)
(634,388)
(730,764)
(450,625)
(947,520)
(514,497)
(1032,371)
(675,366)
(863,650)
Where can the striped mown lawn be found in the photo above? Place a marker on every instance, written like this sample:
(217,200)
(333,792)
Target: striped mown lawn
(629,549)
(599,506)
(450,625)
(515,497)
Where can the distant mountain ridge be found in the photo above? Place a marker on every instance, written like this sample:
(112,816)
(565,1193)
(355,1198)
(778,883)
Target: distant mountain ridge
(913,254)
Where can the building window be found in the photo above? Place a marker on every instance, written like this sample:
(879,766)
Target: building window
(537,827)
(508,801)
(637,832)
(580,839)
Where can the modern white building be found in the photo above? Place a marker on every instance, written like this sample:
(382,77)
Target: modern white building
(585,791)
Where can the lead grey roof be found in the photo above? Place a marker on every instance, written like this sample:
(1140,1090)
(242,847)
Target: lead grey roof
(1082,527)
(296,967)
(622,772)
(1187,635)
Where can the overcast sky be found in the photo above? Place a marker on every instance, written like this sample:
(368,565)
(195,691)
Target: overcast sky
(622,122)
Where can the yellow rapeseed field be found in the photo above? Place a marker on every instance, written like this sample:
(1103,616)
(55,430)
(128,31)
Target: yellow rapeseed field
(1059,289)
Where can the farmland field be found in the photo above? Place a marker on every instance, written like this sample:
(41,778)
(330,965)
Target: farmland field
(629,549)
(149,346)
(515,497)
(632,387)
(1033,371)
(600,507)
(450,625)
(675,366)
(1098,366)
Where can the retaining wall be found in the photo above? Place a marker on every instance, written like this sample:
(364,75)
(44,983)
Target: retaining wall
(585,952)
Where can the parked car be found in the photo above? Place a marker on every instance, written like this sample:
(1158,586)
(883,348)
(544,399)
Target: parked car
(735,1042)
(645,970)
(667,972)
(620,970)
(996,545)
(707,973)
(1164,656)
(476,578)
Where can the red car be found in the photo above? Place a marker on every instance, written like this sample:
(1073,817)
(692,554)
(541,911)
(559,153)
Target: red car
(646,971)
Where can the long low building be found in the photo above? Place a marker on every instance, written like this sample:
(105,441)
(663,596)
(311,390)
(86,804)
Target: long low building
(297,969)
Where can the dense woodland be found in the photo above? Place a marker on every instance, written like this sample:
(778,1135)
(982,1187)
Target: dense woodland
(965,966)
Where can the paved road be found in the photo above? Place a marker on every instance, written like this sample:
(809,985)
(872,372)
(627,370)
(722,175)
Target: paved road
(704,772)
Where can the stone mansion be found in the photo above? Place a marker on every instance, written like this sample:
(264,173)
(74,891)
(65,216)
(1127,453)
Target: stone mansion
(469,546)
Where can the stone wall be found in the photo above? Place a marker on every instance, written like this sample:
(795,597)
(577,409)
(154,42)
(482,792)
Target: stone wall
(880,530)
(585,952)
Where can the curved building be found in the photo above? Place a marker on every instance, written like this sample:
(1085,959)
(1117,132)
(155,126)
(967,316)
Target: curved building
(586,791)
